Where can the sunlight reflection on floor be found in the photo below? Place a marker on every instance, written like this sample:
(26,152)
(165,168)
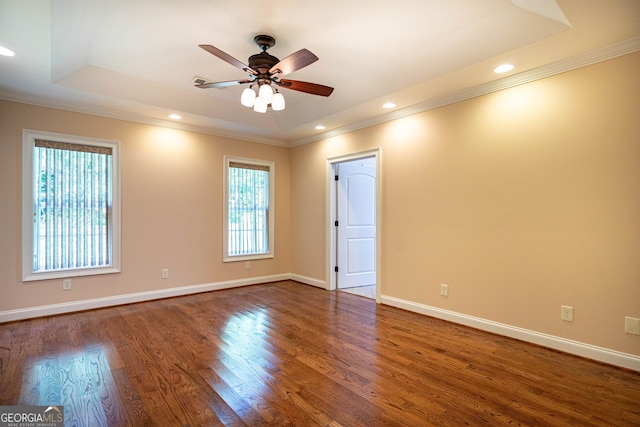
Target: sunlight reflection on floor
(73,380)
(244,341)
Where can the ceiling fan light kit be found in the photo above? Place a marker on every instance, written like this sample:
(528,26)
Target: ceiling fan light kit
(277,102)
(260,106)
(248,97)
(265,93)
(266,70)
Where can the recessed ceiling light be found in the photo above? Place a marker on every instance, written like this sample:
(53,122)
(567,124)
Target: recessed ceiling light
(320,127)
(388,105)
(175,116)
(503,68)
(6,51)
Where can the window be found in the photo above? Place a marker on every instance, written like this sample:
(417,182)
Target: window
(71,215)
(248,225)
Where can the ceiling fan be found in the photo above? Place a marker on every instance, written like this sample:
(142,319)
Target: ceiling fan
(264,71)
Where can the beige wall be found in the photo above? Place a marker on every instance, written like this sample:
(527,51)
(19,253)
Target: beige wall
(171,207)
(521,201)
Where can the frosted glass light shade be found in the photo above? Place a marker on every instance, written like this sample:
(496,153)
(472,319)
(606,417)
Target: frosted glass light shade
(260,106)
(277,102)
(265,93)
(248,97)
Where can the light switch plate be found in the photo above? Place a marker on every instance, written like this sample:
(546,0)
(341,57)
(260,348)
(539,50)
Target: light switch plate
(444,290)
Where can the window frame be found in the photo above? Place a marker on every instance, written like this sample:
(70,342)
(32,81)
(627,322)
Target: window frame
(270,210)
(29,138)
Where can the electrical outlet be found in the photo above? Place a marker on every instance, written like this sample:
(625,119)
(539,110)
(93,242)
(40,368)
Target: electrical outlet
(165,273)
(247,264)
(444,290)
(632,325)
(566,313)
(66,284)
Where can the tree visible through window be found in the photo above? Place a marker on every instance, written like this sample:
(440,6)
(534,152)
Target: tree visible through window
(249,222)
(69,206)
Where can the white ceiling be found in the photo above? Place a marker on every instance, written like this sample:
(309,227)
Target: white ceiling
(136,59)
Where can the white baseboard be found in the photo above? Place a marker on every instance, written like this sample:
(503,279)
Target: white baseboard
(69,307)
(612,357)
(309,281)
(589,351)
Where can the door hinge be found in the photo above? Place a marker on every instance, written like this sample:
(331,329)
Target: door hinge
(335,177)
(335,269)
(335,223)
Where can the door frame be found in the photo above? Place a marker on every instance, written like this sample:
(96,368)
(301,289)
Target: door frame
(331,203)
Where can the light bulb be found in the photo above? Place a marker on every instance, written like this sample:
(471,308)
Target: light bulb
(277,102)
(260,106)
(248,97)
(265,93)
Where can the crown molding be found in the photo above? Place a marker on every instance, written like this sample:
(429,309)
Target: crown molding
(118,115)
(559,67)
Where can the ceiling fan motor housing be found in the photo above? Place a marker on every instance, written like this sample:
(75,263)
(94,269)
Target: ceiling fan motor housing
(262,62)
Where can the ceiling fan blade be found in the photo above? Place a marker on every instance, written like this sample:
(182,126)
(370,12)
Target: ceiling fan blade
(227,58)
(306,87)
(222,84)
(293,62)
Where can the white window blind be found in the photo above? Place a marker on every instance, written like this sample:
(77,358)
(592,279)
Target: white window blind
(249,215)
(72,211)
(71,206)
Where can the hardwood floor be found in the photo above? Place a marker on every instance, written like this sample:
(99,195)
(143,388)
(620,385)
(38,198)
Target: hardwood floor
(291,354)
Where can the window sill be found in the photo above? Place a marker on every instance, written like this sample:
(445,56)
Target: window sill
(247,257)
(64,274)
